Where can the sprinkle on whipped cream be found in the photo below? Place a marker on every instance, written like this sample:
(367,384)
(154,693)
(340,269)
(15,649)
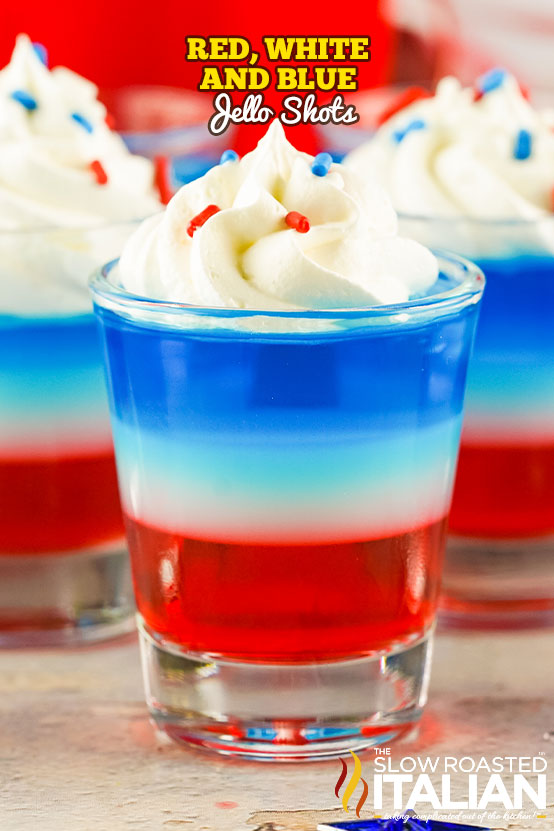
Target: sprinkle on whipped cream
(24,99)
(493,79)
(321,164)
(41,51)
(339,247)
(229,156)
(60,164)
(298,221)
(480,152)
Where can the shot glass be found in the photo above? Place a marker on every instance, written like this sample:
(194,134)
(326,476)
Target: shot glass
(64,573)
(286,480)
(500,558)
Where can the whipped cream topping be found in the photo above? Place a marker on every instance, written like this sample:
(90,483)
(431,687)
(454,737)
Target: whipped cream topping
(246,255)
(56,150)
(480,152)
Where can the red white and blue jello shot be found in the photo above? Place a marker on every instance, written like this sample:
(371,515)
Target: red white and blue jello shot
(68,192)
(473,170)
(286,379)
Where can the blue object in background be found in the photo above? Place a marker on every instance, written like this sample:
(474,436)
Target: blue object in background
(400,824)
(185,169)
(512,367)
(51,370)
(191,149)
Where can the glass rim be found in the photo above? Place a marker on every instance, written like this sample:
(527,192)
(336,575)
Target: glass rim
(99,226)
(467,219)
(468,291)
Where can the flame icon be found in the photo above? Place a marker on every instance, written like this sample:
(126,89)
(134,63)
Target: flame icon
(352,784)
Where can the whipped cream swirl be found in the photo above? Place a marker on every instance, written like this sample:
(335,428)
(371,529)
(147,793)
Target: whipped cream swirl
(480,152)
(53,135)
(245,255)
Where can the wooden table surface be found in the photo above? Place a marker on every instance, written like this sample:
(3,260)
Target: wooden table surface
(78,752)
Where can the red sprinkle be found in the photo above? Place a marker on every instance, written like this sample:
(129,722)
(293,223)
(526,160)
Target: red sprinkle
(477,94)
(524,91)
(99,172)
(406,97)
(162,179)
(297,221)
(198,220)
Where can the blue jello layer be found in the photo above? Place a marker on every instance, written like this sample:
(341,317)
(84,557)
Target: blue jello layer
(239,435)
(511,377)
(52,384)
(372,378)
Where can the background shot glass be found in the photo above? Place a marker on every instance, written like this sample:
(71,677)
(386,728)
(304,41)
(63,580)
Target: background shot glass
(64,573)
(286,480)
(159,121)
(500,564)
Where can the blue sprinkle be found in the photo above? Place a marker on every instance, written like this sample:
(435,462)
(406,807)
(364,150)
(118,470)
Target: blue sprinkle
(24,99)
(523,145)
(83,122)
(42,52)
(229,156)
(321,164)
(491,80)
(416,124)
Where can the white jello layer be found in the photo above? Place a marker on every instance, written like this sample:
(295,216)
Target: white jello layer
(272,489)
(65,437)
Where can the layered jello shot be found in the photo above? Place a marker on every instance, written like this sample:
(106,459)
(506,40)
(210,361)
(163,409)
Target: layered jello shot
(68,192)
(286,379)
(473,169)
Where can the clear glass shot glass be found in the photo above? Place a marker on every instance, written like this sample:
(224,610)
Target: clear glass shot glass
(64,572)
(499,568)
(286,480)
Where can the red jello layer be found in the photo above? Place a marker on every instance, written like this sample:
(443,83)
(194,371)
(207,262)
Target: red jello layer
(504,491)
(55,505)
(286,602)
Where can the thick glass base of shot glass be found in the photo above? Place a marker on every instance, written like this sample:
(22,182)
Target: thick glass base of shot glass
(284,712)
(70,599)
(498,584)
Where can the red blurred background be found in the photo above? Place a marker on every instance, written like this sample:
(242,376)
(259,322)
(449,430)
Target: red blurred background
(125,43)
